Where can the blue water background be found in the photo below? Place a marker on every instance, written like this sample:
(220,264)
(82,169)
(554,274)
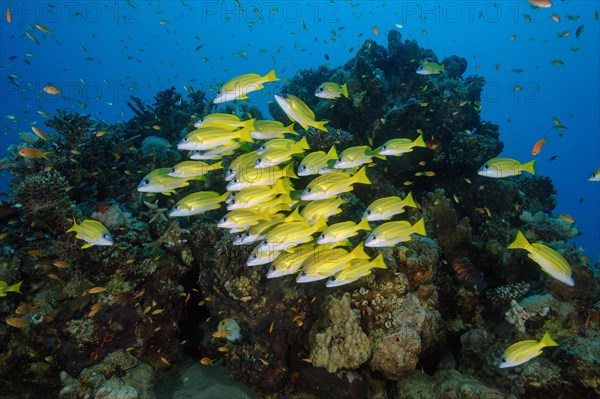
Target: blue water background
(133,52)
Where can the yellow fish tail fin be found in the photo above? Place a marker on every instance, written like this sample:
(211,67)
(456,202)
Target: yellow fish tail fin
(218,165)
(244,135)
(86,245)
(443,68)
(279,187)
(528,167)
(359,252)
(270,77)
(249,123)
(378,262)
(419,227)
(320,224)
(286,199)
(320,125)
(375,153)
(363,225)
(45,155)
(294,216)
(345,90)
(547,340)
(223,197)
(288,171)
(520,242)
(15,287)
(290,129)
(419,142)
(332,154)
(74,225)
(361,176)
(303,144)
(409,201)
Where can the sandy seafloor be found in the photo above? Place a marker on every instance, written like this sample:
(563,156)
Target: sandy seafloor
(194,381)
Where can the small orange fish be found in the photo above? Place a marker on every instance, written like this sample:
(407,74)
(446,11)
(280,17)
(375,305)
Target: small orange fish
(537,148)
(53,276)
(43,28)
(33,153)
(221,334)
(38,132)
(35,252)
(498,67)
(271,327)
(8,15)
(207,361)
(165,361)
(541,3)
(52,90)
(17,322)
(23,308)
(518,88)
(61,264)
(566,217)
(222,349)
(96,290)
(376,30)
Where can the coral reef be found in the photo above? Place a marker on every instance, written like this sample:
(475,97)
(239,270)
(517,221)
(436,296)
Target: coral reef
(107,318)
(343,344)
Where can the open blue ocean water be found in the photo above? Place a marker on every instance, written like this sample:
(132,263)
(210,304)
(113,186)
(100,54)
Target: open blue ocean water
(100,53)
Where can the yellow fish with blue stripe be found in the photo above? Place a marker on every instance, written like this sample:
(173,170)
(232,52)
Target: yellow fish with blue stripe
(92,232)
(391,233)
(260,177)
(244,161)
(315,210)
(4,288)
(551,262)
(193,169)
(356,156)
(386,208)
(288,235)
(341,231)
(332,184)
(523,351)
(331,91)
(265,129)
(252,196)
(159,181)
(200,202)
(399,146)
(220,119)
(299,112)
(239,87)
(317,163)
(358,268)
(207,138)
(278,155)
(322,264)
(505,167)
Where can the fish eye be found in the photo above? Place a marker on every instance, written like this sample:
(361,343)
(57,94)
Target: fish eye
(254,256)
(368,212)
(146,181)
(176,207)
(259,160)
(232,202)
(172,170)
(321,88)
(263,147)
(486,166)
(303,274)
(224,219)
(374,237)
(236,181)
(302,167)
(185,139)
(308,190)
(105,236)
(383,147)
(273,268)
(322,236)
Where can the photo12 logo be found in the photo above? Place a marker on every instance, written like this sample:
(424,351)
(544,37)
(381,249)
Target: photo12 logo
(53,12)
(254,12)
(466,11)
